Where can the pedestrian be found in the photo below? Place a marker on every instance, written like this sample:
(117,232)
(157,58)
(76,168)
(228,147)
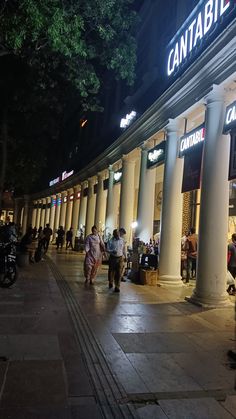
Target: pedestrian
(191,249)
(122,232)
(47,235)
(69,237)
(94,247)
(60,237)
(232,263)
(116,249)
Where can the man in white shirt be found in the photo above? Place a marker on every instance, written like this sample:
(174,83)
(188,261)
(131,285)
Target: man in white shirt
(116,249)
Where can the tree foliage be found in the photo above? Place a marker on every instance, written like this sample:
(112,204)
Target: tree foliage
(62,50)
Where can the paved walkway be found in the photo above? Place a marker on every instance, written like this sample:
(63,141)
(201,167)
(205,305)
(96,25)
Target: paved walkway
(73,351)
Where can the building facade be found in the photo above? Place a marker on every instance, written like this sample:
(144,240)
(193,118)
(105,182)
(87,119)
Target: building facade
(170,168)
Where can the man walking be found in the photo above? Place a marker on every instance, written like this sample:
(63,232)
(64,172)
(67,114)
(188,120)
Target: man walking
(116,249)
(47,235)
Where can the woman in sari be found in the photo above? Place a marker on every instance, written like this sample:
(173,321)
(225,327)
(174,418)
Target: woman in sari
(94,247)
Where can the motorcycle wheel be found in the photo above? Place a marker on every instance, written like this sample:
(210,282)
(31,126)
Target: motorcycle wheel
(8,278)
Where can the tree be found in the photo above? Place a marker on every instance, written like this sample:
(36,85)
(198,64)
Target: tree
(67,45)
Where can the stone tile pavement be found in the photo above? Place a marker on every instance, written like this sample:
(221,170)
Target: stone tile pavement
(168,356)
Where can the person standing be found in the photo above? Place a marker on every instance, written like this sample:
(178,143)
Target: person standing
(94,247)
(69,237)
(191,248)
(60,237)
(116,249)
(122,233)
(47,235)
(232,263)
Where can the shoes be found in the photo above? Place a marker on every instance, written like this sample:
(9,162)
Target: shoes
(116,289)
(110,285)
(123,280)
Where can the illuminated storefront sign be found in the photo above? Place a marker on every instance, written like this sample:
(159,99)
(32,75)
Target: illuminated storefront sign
(63,176)
(78,195)
(117,176)
(191,140)
(200,25)
(230,117)
(54,181)
(53,202)
(71,197)
(125,122)
(156,155)
(65,199)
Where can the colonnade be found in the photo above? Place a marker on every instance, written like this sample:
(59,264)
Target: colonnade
(114,205)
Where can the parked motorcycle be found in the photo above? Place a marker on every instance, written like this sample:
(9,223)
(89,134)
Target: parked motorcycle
(8,272)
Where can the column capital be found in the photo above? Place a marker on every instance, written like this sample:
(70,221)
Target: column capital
(217,94)
(126,158)
(63,194)
(172,126)
(92,180)
(101,176)
(76,188)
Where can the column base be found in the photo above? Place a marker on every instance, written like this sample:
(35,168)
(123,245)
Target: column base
(170,281)
(210,302)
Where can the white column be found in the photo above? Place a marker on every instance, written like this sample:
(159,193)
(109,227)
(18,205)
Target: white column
(75,210)
(100,204)
(34,214)
(64,199)
(83,206)
(39,209)
(48,209)
(90,214)
(211,267)
(110,213)
(25,214)
(43,213)
(70,200)
(171,214)
(56,224)
(52,212)
(127,196)
(146,197)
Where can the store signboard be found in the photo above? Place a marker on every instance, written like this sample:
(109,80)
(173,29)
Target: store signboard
(191,141)
(78,195)
(202,26)
(65,199)
(125,122)
(63,176)
(72,197)
(230,117)
(192,170)
(156,156)
(117,176)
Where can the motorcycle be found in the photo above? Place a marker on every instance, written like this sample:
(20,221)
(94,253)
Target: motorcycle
(8,272)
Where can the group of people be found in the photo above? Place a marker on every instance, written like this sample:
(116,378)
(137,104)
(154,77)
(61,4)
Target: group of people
(94,249)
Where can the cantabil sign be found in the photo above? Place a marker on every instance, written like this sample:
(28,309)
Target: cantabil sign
(156,155)
(230,117)
(191,140)
(200,25)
